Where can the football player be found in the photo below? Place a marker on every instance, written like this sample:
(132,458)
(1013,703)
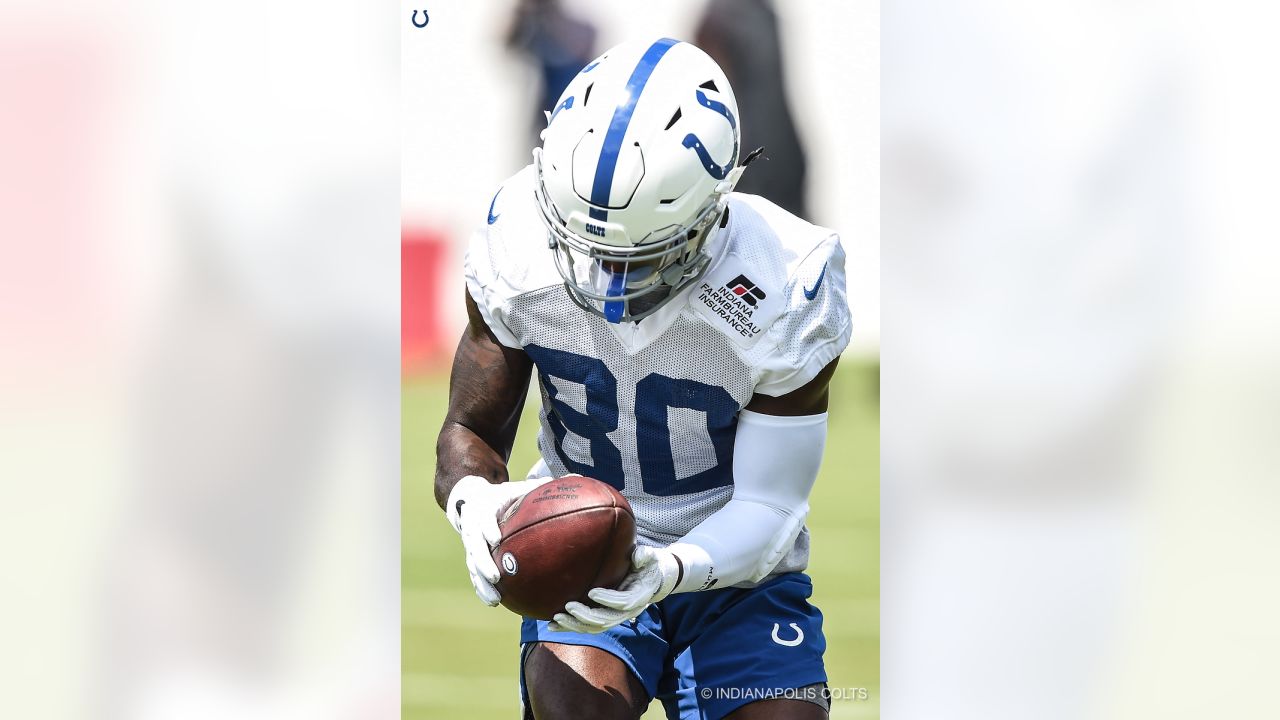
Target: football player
(683,338)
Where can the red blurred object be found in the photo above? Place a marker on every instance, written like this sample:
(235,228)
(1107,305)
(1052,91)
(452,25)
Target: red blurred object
(423,254)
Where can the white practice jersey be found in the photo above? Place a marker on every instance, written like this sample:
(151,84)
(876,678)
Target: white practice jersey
(651,407)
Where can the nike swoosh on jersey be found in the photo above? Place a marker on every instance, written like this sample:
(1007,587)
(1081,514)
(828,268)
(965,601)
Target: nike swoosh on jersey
(494,218)
(811,294)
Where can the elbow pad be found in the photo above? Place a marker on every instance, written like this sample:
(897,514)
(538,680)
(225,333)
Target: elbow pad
(775,463)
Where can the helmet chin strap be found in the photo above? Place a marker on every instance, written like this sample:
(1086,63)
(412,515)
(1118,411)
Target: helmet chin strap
(673,273)
(695,256)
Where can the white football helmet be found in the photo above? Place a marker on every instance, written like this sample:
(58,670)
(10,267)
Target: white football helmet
(637,163)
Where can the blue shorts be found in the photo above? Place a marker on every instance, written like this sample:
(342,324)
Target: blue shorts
(705,654)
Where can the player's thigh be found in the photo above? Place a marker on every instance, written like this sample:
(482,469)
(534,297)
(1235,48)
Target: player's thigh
(778,709)
(568,682)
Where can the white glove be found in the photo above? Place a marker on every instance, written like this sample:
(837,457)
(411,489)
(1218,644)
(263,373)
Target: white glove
(654,574)
(473,508)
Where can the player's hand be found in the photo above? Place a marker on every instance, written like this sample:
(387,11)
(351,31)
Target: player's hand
(654,574)
(473,508)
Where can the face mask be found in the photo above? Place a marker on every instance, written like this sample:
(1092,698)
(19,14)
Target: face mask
(613,284)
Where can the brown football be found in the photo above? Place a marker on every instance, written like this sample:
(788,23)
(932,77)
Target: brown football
(560,541)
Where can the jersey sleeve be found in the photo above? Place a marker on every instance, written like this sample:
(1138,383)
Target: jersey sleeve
(484,283)
(816,326)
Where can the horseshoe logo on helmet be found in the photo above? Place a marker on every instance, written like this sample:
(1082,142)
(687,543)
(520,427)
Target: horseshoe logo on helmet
(691,141)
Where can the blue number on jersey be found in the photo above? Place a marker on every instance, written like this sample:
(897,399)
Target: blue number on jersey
(602,410)
(655,396)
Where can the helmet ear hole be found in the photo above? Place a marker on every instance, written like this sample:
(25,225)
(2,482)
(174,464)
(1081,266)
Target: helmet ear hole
(709,85)
(673,120)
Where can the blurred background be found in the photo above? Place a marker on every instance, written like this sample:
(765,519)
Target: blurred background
(199,335)
(1078,496)
(476,81)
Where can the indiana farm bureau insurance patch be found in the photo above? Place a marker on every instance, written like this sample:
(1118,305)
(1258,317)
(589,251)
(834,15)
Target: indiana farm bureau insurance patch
(734,296)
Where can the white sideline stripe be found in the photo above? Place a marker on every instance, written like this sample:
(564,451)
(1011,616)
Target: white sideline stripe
(464,691)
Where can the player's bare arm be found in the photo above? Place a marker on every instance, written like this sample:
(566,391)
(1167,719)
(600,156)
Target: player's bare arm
(486,394)
(809,399)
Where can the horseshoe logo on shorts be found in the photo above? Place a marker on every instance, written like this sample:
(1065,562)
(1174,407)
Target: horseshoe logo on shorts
(799,638)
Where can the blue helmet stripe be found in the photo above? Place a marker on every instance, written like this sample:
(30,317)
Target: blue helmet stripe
(603,184)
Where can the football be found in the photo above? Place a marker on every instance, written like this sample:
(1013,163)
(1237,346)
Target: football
(558,542)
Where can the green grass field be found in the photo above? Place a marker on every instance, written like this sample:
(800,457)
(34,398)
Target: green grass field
(460,659)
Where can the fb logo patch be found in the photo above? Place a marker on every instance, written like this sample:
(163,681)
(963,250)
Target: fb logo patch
(511,568)
(745,289)
(799,638)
